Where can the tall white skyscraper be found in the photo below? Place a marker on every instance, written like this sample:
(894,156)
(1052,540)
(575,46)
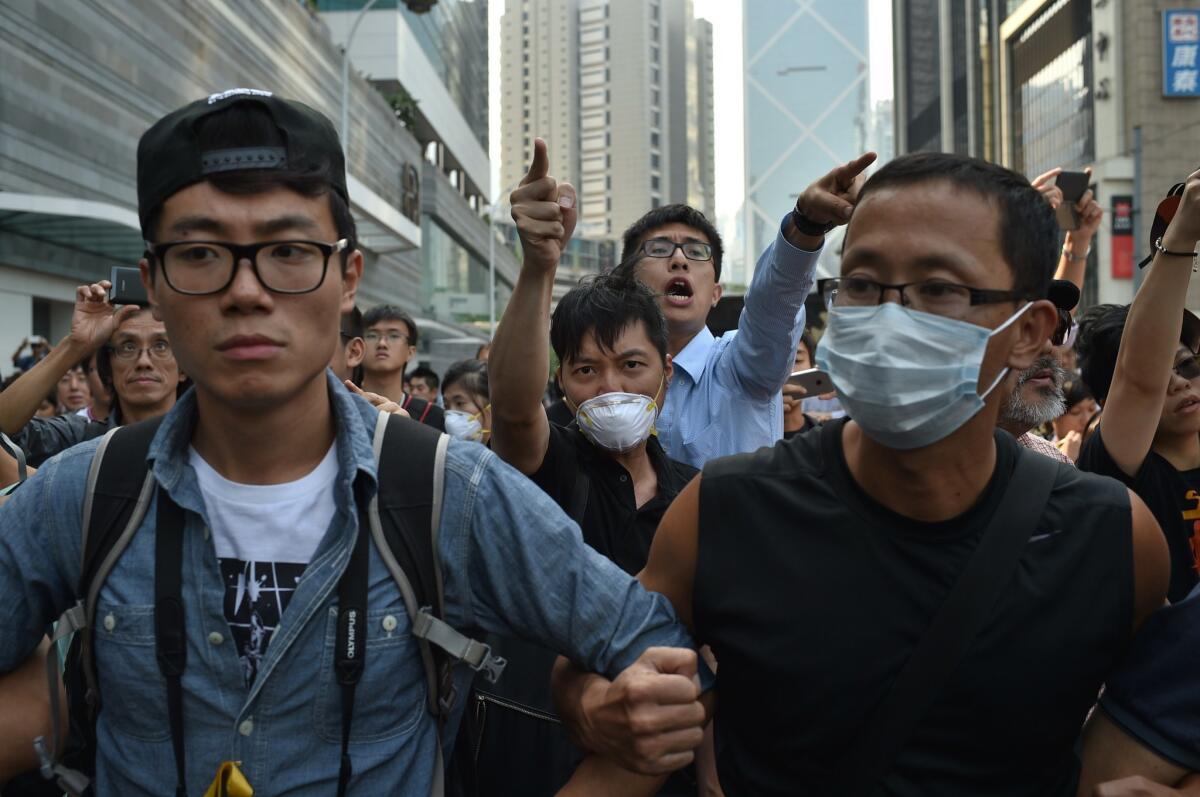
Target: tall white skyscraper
(806,102)
(622,92)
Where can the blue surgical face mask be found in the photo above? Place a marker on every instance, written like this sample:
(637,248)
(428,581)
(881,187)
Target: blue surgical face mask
(908,378)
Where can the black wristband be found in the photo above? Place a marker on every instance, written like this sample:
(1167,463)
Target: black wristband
(807,226)
(1158,244)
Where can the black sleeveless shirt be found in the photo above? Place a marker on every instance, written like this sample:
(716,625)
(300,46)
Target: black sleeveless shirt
(813,595)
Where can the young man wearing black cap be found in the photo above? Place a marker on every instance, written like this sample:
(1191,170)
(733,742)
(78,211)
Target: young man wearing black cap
(263,471)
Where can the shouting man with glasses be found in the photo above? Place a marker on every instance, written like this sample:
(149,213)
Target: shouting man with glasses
(257,619)
(133,360)
(911,574)
(725,395)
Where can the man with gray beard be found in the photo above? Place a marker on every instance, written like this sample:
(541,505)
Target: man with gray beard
(1037,394)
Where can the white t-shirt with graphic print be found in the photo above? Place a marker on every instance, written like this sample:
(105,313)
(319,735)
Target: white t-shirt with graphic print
(265,535)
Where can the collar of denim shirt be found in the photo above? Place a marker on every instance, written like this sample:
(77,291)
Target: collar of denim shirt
(354,419)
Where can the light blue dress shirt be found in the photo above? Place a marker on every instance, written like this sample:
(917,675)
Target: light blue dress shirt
(513,564)
(725,396)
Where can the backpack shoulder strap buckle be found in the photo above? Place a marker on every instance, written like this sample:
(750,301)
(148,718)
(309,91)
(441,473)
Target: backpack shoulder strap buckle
(475,654)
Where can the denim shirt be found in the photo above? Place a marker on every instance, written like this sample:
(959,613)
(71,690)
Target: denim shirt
(724,397)
(513,564)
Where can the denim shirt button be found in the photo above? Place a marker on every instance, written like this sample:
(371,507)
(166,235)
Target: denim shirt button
(389,623)
(247,727)
(110,622)
(215,638)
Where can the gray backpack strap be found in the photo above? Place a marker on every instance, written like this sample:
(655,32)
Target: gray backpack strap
(440,644)
(18,454)
(81,616)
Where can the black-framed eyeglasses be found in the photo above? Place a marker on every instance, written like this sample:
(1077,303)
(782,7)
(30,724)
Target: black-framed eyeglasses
(130,350)
(928,296)
(665,247)
(1188,368)
(201,268)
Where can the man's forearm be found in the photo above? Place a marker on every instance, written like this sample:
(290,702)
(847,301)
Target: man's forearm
(772,320)
(25,713)
(20,400)
(517,364)
(598,775)
(574,689)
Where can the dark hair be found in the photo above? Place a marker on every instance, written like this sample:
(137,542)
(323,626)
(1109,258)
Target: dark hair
(605,306)
(1028,230)
(673,214)
(246,124)
(428,374)
(806,338)
(1075,392)
(352,323)
(472,373)
(1099,341)
(390,312)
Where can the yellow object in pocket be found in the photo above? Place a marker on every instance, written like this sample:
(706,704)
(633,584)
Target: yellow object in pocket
(229,782)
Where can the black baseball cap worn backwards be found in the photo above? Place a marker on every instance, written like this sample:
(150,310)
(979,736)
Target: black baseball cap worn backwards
(169,157)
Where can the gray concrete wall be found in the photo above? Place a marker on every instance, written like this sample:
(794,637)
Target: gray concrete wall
(83,80)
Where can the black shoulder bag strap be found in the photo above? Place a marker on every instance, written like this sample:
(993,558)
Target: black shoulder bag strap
(955,626)
(170,639)
(351,638)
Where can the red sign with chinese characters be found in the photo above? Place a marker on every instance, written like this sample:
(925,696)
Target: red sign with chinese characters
(1122,237)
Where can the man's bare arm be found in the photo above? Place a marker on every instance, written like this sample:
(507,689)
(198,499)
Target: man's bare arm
(544,211)
(25,713)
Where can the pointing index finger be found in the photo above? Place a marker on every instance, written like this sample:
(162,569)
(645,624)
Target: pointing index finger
(847,173)
(540,166)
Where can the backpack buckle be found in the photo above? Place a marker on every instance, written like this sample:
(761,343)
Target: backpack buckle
(492,667)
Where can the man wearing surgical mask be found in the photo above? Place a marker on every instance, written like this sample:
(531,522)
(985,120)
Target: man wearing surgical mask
(823,562)
(607,469)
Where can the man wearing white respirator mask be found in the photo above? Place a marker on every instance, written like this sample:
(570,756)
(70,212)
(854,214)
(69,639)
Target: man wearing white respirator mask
(607,469)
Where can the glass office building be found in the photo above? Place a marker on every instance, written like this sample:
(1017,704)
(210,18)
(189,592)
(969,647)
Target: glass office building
(806,102)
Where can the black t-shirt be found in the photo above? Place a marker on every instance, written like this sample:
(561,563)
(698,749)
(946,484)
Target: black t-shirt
(1153,694)
(813,595)
(424,411)
(1173,497)
(611,523)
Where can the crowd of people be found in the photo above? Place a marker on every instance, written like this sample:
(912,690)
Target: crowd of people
(241,553)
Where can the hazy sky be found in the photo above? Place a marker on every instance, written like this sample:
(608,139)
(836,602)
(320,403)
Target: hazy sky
(726,16)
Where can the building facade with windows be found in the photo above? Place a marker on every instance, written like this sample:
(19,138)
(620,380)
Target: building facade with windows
(432,67)
(82,85)
(622,92)
(1036,84)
